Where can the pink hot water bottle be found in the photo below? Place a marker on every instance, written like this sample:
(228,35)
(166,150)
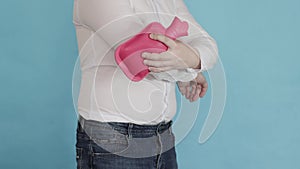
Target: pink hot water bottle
(128,54)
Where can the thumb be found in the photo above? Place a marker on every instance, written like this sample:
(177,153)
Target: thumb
(164,39)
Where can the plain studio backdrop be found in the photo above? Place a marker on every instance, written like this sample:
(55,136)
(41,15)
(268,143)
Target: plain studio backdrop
(259,47)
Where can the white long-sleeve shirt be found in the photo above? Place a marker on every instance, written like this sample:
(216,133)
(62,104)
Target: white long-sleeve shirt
(106,94)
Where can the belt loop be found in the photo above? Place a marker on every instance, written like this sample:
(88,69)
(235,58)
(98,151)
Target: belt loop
(170,127)
(81,121)
(170,130)
(158,127)
(130,126)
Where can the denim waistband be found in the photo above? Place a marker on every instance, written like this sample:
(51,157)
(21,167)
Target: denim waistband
(135,130)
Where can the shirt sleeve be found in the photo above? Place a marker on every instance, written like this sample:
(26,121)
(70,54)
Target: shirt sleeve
(114,22)
(198,38)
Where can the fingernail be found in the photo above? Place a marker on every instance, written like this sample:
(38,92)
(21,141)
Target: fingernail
(151,35)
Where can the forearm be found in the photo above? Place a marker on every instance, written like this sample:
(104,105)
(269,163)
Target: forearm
(198,39)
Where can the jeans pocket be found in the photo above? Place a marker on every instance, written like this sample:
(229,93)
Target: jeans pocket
(108,142)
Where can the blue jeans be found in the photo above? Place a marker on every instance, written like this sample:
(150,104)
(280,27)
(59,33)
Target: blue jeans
(117,145)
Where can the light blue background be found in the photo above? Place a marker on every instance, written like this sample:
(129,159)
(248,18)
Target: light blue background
(258,43)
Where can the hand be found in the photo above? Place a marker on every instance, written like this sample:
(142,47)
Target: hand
(178,56)
(194,89)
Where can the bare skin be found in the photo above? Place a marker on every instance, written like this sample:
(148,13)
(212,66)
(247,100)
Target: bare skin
(195,89)
(178,56)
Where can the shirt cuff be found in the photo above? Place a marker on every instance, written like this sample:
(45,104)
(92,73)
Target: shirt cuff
(183,75)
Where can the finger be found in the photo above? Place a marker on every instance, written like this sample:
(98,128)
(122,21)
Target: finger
(203,90)
(193,92)
(164,39)
(155,56)
(182,84)
(160,69)
(187,94)
(196,96)
(181,87)
(192,88)
(158,64)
